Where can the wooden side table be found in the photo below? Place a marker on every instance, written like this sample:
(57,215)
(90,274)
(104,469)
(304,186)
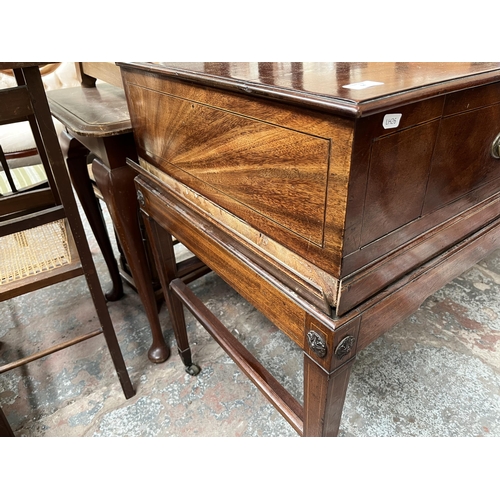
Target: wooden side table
(97,121)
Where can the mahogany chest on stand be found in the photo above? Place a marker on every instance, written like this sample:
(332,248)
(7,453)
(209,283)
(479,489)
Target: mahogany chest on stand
(335,197)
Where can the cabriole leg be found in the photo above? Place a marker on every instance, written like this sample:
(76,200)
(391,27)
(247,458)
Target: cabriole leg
(118,190)
(75,155)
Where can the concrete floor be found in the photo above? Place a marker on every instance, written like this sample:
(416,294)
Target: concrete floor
(435,374)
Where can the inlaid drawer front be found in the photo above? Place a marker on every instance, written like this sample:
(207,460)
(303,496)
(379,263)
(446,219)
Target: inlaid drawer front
(243,164)
(397,180)
(462,159)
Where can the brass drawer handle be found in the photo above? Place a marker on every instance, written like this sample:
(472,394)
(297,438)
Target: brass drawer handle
(495,147)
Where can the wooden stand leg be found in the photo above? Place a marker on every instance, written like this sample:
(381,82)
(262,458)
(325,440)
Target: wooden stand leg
(75,155)
(118,190)
(163,250)
(324,396)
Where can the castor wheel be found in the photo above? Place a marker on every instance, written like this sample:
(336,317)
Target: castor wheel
(193,369)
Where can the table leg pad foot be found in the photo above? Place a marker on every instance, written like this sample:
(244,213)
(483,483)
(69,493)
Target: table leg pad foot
(114,294)
(158,354)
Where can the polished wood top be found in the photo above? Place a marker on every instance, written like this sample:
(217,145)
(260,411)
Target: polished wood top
(342,87)
(99,111)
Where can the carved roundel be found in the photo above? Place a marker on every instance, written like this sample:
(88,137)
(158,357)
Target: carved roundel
(140,197)
(317,343)
(345,346)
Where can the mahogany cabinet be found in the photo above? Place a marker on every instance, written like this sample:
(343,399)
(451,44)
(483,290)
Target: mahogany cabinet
(335,197)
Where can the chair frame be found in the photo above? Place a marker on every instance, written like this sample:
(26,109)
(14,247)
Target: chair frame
(28,101)
(46,69)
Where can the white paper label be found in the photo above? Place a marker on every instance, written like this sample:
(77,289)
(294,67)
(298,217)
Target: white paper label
(362,85)
(392,121)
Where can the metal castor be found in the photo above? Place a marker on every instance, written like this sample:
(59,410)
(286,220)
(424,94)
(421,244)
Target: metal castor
(193,369)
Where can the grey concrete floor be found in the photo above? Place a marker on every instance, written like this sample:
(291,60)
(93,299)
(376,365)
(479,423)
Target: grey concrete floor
(435,374)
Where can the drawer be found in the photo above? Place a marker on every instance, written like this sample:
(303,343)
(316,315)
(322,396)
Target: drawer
(462,160)
(408,182)
(389,171)
(397,180)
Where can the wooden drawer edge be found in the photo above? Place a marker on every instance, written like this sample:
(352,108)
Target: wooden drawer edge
(405,296)
(357,288)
